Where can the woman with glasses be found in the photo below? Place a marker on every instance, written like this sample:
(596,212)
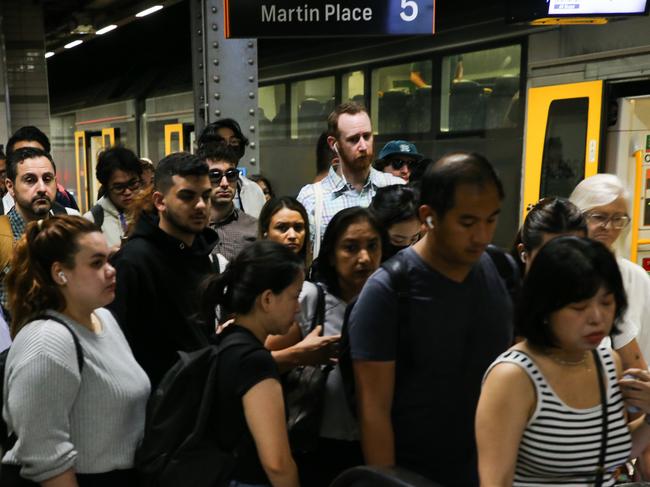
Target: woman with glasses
(119,171)
(396,208)
(604,202)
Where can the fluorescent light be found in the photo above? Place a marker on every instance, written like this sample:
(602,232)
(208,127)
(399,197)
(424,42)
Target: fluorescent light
(49,54)
(148,11)
(72,44)
(106,29)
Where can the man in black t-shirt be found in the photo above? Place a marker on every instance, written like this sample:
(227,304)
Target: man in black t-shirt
(417,395)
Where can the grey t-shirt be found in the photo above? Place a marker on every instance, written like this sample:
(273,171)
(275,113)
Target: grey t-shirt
(337,422)
(454,332)
(93,422)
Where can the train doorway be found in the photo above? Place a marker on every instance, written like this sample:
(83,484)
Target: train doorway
(179,137)
(563,128)
(88,144)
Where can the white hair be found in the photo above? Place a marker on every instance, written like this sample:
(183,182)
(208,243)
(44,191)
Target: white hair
(599,190)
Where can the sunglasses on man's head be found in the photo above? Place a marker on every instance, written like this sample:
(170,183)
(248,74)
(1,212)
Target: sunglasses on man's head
(216,175)
(398,164)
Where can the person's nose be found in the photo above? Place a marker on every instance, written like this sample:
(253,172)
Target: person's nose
(202,204)
(363,145)
(291,234)
(483,233)
(596,314)
(363,256)
(223,183)
(110,271)
(41,187)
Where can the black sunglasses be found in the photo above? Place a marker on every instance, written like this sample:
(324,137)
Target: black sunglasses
(216,175)
(398,164)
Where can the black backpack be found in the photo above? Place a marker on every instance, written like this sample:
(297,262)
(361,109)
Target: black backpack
(9,440)
(180,444)
(396,267)
(97,211)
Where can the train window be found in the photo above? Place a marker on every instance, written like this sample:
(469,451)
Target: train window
(353,87)
(312,101)
(480,90)
(401,98)
(273,111)
(563,159)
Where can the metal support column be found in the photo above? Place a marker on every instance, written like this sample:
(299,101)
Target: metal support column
(224,73)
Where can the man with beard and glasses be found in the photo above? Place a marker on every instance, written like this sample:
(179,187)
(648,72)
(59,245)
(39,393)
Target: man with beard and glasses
(352,182)
(161,267)
(235,228)
(31,182)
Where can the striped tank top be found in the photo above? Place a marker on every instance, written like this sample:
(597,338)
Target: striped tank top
(561,445)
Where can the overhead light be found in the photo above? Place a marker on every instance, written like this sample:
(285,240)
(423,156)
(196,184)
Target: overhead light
(148,11)
(49,54)
(106,29)
(72,44)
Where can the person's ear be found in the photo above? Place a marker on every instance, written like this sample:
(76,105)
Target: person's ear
(523,255)
(428,217)
(57,274)
(159,201)
(10,187)
(331,141)
(266,300)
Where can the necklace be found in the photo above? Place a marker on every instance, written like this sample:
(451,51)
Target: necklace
(570,363)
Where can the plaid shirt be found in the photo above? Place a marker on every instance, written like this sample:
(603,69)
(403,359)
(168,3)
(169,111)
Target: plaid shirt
(339,195)
(17,228)
(235,232)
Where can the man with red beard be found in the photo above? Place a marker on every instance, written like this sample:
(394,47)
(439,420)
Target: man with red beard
(351,182)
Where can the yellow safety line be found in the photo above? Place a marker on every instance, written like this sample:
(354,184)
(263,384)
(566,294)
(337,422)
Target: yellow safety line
(636,210)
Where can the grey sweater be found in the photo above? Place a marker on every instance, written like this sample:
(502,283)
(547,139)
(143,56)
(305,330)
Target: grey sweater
(91,423)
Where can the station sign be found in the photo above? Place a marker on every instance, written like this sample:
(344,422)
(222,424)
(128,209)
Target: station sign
(328,18)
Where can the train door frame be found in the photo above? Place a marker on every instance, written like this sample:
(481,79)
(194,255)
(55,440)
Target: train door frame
(539,103)
(185,137)
(86,161)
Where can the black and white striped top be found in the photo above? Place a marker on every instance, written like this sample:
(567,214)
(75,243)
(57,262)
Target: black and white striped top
(561,444)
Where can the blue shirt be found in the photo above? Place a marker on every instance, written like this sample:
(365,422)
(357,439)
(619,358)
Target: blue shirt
(453,333)
(338,195)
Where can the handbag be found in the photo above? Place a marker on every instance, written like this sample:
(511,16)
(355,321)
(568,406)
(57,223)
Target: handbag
(304,388)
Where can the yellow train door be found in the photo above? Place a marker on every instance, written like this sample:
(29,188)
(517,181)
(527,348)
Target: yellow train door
(562,141)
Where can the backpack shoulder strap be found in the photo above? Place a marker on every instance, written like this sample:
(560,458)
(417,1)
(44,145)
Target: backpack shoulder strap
(75,338)
(396,268)
(6,241)
(58,209)
(97,211)
(506,267)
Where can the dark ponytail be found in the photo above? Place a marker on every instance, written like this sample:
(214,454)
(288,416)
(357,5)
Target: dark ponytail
(260,266)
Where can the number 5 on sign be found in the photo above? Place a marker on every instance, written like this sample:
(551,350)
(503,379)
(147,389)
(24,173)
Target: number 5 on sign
(409,10)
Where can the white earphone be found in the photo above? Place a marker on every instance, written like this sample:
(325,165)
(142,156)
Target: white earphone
(64,280)
(522,256)
(429,221)
(335,146)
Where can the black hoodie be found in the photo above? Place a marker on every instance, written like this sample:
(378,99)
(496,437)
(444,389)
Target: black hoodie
(157,296)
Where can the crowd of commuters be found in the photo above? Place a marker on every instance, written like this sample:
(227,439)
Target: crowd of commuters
(375,285)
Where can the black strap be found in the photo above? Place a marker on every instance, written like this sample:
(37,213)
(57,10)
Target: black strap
(319,314)
(603,402)
(97,211)
(75,338)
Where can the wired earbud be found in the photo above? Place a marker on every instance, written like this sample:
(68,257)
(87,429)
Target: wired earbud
(64,280)
(429,221)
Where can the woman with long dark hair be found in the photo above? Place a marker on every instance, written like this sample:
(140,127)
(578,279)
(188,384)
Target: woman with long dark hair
(74,396)
(350,253)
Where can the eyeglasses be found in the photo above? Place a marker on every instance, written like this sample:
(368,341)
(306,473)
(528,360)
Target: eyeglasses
(601,219)
(398,164)
(132,184)
(216,175)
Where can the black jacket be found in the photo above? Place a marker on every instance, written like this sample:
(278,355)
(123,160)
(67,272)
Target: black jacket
(157,296)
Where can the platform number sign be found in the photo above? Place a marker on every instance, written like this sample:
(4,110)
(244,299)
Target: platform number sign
(329,18)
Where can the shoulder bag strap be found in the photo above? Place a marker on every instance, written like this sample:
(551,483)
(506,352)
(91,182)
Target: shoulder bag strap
(318,218)
(75,338)
(603,402)
(319,313)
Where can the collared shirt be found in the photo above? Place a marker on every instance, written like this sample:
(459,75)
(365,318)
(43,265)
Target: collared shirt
(338,195)
(235,232)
